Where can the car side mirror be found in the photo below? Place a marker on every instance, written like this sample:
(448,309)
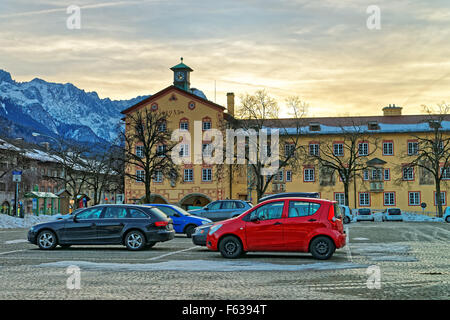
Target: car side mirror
(75,219)
(206,208)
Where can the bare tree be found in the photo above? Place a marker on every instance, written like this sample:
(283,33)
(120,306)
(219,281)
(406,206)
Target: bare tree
(432,154)
(348,157)
(148,147)
(256,114)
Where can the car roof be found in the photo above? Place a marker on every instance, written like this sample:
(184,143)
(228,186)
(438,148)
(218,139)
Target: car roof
(310,195)
(300,199)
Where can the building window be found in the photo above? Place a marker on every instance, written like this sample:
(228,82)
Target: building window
(387,174)
(184,150)
(339,197)
(158,176)
(206,124)
(364,199)
(289,149)
(278,177)
(308,175)
(207,174)
(414,198)
(445,173)
(338,149)
(162,126)
(140,176)
(314,149)
(366,175)
(443,198)
(184,125)
(140,151)
(376,174)
(188,175)
(161,150)
(388,148)
(288,175)
(363,149)
(408,173)
(413,148)
(389,198)
(207,149)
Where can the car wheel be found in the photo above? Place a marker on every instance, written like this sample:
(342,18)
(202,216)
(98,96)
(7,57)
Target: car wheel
(447,219)
(135,240)
(46,240)
(230,247)
(346,220)
(189,231)
(322,248)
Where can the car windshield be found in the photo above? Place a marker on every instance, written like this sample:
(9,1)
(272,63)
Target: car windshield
(364,211)
(184,212)
(394,211)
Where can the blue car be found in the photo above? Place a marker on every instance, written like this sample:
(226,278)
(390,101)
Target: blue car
(183,221)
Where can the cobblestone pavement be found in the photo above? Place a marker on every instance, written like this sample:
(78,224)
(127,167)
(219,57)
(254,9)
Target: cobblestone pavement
(412,260)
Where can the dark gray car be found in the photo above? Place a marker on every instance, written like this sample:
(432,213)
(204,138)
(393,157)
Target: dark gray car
(134,226)
(222,209)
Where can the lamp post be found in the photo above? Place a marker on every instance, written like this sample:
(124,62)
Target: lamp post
(17,178)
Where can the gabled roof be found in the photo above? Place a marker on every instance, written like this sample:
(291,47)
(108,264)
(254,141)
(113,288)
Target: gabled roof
(168,90)
(376,161)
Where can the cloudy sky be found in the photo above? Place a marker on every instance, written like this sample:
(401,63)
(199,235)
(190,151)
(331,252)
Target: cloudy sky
(320,50)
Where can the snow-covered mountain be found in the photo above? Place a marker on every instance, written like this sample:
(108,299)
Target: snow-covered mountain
(58,110)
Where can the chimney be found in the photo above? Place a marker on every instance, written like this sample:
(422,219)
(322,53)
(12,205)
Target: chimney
(392,110)
(230,103)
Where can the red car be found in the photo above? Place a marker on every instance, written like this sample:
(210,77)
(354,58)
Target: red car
(287,224)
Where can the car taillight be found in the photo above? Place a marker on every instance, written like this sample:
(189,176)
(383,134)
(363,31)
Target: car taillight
(331,216)
(161,223)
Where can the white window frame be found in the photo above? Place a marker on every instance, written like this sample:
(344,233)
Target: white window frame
(288,176)
(188,175)
(415,203)
(338,149)
(363,146)
(413,148)
(206,174)
(314,149)
(309,175)
(158,177)
(339,197)
(390,197)
(388,148)
(364,199)
(408,173)
(140,175)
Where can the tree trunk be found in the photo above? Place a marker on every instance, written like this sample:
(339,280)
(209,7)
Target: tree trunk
(346,194)
(438,197)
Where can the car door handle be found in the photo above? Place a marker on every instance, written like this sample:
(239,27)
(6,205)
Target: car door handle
(277,223)
(312,220)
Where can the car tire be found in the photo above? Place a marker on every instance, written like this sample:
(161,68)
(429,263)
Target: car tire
(322,248)
(346,220)
(135,240)
(190,230)
(46,240)
(231,247)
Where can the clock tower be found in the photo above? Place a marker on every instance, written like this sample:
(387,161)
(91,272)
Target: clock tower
(181,76)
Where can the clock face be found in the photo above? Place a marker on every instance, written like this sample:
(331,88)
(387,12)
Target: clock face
(179,76)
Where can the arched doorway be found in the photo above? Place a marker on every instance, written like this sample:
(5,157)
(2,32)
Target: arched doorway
(194,201)
(5,208)
(155,198)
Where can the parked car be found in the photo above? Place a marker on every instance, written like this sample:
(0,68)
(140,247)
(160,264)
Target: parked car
(290,195)
(446,215)
(364,214)
(200,234)
(392,214)
(286,224)
(183,221)
(347,215)
(134,226)
(222,209)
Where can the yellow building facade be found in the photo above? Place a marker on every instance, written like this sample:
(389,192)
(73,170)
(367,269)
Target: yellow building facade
(386,184)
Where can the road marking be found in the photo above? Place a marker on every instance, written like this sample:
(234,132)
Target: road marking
(16,241)
(171,253)
(349,253)
(3,253)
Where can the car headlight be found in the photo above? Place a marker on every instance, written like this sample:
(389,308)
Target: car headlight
(205,222)
(214,229)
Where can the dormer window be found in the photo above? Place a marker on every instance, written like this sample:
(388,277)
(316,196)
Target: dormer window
(314,126)
(373,125)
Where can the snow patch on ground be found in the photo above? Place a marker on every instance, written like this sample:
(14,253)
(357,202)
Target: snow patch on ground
(16,241)
(360,239)
(384,252)
(409,216)
(9,222)
(203,265)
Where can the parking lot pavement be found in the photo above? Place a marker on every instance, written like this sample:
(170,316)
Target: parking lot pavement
(384,260)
